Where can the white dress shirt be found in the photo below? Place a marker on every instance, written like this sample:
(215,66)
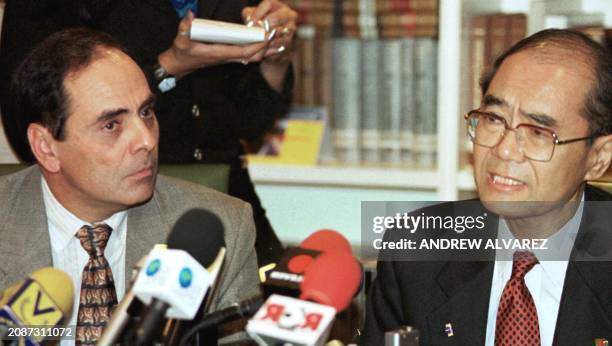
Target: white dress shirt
(68,254)
(544,281)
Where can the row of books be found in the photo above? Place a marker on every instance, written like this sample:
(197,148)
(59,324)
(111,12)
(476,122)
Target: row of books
(490,36)
(380,95)
(369,18)
(384,101)
(371,64)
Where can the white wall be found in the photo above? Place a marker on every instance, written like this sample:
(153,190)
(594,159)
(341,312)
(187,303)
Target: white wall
(297,211)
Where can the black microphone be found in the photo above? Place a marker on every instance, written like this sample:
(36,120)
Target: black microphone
(238,310)
(173,286)
(285,277)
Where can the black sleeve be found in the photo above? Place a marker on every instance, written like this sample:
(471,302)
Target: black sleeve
(260,105)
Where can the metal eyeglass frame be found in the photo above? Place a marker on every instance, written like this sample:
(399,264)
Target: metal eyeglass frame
(556,140)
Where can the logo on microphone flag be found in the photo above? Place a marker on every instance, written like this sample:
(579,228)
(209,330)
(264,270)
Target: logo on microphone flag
(185,277)
(153,267)
(31,306)
(291,320)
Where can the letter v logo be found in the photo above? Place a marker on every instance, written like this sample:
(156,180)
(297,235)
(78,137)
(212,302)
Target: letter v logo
(37,308)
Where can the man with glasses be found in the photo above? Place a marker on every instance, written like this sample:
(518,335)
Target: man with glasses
(543,130)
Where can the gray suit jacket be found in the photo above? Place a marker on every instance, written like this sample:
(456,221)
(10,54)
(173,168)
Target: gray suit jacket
(25,244)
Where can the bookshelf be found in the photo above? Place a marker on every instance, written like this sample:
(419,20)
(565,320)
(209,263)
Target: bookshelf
(354,177)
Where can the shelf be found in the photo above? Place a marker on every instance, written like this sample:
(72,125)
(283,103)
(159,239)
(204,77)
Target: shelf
(359,177)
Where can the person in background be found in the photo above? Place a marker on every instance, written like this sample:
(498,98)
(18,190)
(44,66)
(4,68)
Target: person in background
(222,95)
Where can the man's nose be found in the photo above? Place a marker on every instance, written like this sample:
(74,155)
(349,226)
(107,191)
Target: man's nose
(144,135)
(509,147)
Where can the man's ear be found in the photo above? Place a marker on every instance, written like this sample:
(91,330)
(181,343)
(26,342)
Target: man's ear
(599,158)
(43,146)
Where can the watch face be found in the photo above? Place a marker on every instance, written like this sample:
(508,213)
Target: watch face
(167,84)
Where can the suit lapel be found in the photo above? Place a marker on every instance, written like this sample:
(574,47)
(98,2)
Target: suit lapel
(467,286)
(585,310)
(145,227)
(26,246)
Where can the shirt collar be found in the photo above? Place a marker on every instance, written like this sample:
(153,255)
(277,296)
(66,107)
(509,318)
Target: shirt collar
(559,245)
(66,224)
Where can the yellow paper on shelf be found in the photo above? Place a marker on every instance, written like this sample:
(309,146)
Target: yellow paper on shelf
(299,144)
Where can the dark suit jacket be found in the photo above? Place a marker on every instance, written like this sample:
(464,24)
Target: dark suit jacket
(428,295)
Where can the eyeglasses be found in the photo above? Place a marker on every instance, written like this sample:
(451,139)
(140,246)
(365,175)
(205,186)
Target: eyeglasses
(536,143)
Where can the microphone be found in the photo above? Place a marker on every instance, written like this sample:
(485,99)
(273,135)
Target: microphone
(44,300)
(174,281)
(238,310)
(286,276)
(330,283)
(327,240)
(285,320)
(333,279)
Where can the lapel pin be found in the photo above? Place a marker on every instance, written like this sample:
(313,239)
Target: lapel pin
(602,342)
(448,329)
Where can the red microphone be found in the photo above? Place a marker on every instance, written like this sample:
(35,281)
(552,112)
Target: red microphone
(328,286)
(332,279)
(326,240)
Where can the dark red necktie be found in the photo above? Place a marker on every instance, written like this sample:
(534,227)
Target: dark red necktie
(517,318)
(98,296)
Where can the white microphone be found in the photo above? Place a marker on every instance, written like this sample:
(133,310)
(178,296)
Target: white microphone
(176,278)
(173,282)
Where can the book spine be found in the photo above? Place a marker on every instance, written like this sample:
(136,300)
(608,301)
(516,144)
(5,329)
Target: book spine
(426,114)
(370,135)
(323,73)
(496,41)
(390,100)
(324,92)
(307,64)
(347,95)
(478,57)
(408,112)
(518,29)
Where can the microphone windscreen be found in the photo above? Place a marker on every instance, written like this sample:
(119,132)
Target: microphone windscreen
(332,279)
(200,233)
(58,286)
(325,240)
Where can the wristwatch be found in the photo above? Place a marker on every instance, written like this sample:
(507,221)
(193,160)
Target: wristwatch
(165,81)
